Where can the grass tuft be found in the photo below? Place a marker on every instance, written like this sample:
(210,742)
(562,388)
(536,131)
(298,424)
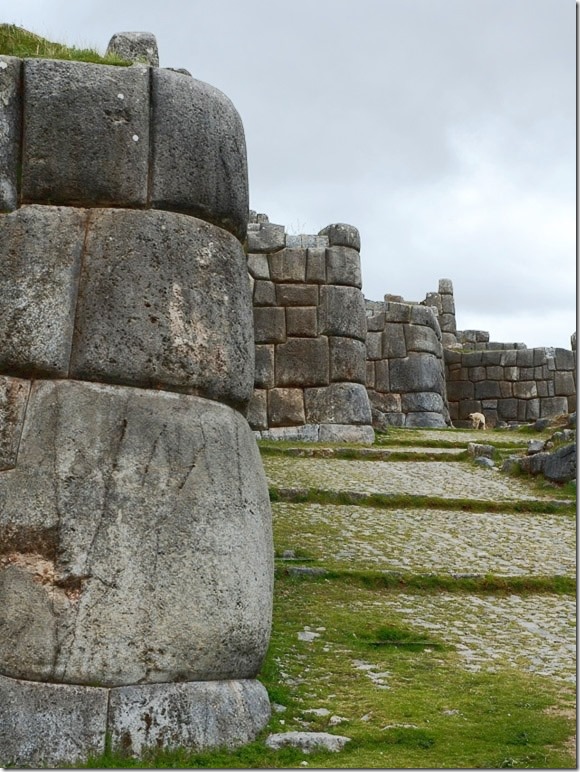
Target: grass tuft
(19,42)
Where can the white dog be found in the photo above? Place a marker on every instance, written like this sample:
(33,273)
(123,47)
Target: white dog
(477,420)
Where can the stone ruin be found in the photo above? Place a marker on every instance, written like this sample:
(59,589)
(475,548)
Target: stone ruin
(324,374)
(136,559)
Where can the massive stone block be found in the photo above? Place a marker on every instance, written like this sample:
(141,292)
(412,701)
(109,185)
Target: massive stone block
(86,134)
(136,540)
(421,338)
(10,130)
(343,266)
(14,395)
(288,266)
(342,312)
(302,362)
(342,235)
(286,407)
(340,403)
(41,250)
(393,341)
(347,360)
(164,302)
(265,237)
(417,372)
(269,325)
(199,161)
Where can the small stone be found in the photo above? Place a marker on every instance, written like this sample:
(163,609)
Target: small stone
(136,47)
(487,463)
(307,741)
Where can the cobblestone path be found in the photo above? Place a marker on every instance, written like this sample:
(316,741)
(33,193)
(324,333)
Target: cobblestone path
(531,632)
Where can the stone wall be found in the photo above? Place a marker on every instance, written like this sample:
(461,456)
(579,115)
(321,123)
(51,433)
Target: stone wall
(309,331)
(510,384)
(405,366)
(136,559)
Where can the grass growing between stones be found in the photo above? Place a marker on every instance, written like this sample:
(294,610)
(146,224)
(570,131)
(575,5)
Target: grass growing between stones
(16,41)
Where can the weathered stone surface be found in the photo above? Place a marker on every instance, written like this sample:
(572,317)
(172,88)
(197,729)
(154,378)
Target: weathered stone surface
(10,129)
(447,323)
(258,266)
(307,741)
(417,372)
(339,403)
(192,715)
(525,389)
(374,345)
(342,235)
(347,360)
(565,359)
(302,362)
(370,375)
(564,384)
(316,266)
(560,466)
(164,301)
(398,312)
(269,325)
(422,401)
(305,433)
(459,390)
(421,338)
(342,312)
(199,152)
(288,266)
(297,294)
(266,237)
(264,370)
(40,250)
(343,266)
(14,395)
(376,322)
(50,725)
(302,322)
(85,134)
(507,409)
(286,407)
(445,286)
(136,47)
(363,435)
(306,241)
(102,530)
(425,315)
(382,378)
(393,338)
(264,293)
(257,411)
(552,406)
(425,420)
(487,390)
(386,403)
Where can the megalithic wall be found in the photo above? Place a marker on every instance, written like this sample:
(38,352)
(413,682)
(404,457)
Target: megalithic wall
(136,559)
(310,331)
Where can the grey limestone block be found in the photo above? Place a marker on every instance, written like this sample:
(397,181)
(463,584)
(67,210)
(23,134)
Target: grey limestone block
(343,266)
(288,265)
(316,265)
(445,286)
(447,322)
(542,387)
(342,312)
(565,359)
(511,373)
(507,409)
(487,390)
(297,294)
(506,388)
(494,373)
(376,322)
(14,393)
(286,407)
(10,130)
(382,421)
(195,715)
(374,345)
(257,412)
(553,406)
(525,358)
(532,409)
(526,374)
(264,369)
(417,372)
(522,409)
(540,356)
(386,403)
(135,47)
(425,420)
(525,389)
(302,362)
(393,341)
(121,499)
(302,322)
(564,384)
(339,403)
(305,433)
(269,325)
(347,360)
(342,235)
(509,358)
(267,237)
(472,359)
(370,376)
(433,300)
(477,374)
(448,304)
(560,466)
(421,338)
(422,402)
(199,163)
(85,134)
(425,315)
(452,357)
(363,435)
(306,241)
(258,266)
(164,302)
(50,725)
(398,312)
(40,251)
(459,390)
(382,377)
(264,293)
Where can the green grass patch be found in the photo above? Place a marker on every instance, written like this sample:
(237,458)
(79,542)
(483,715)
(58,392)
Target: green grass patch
(16,41)
(406,501)
(361,454)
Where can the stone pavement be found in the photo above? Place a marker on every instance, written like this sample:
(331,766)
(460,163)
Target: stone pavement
(532,632)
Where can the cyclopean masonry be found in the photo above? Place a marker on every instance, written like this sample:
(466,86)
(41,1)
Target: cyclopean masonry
(136,556)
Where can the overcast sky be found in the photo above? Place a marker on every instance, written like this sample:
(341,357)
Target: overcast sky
(444,130)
